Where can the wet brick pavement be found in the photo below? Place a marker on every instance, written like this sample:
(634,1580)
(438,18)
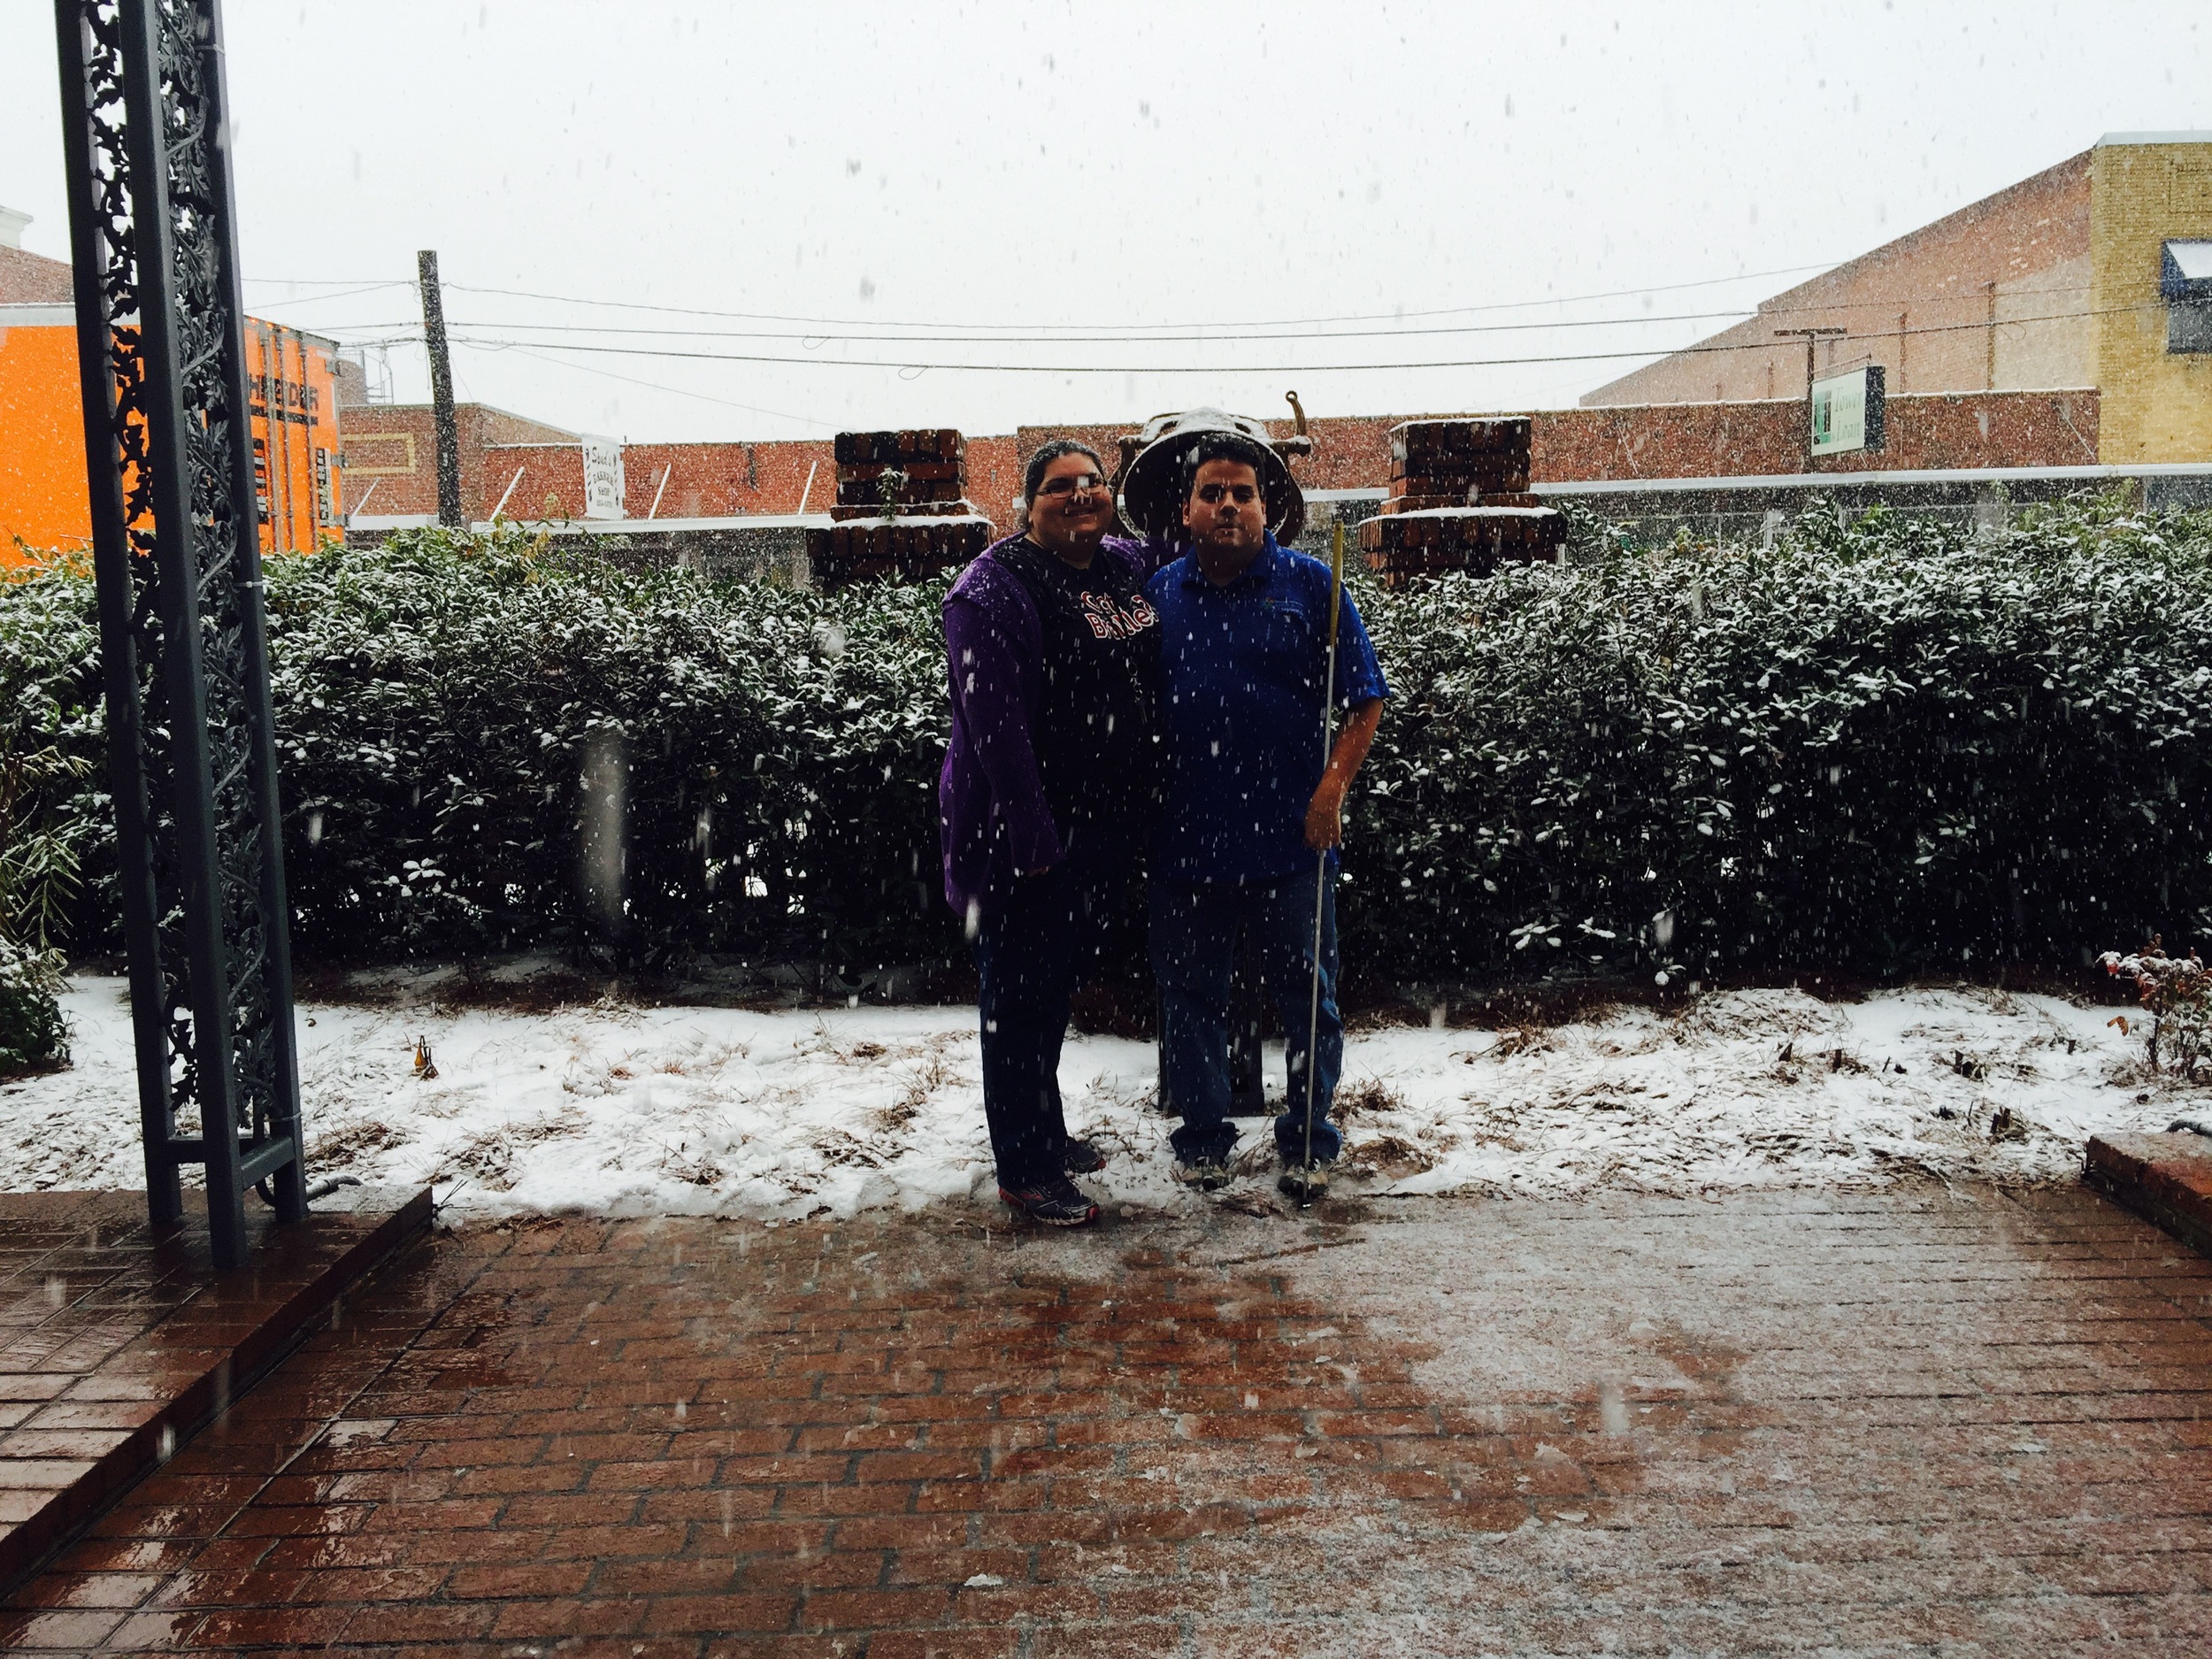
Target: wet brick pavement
(1919,1422)
(116,1338)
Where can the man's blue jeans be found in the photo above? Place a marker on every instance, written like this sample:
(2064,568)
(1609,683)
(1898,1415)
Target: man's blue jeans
(1195,927)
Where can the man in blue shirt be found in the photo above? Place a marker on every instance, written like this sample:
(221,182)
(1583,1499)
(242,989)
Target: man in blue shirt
(1251,808)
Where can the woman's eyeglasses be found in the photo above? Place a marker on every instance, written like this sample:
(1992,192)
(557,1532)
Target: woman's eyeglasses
(1071,484)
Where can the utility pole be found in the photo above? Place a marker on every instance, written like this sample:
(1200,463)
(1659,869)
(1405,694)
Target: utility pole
(440,390)
(1989,367)
(1812,337)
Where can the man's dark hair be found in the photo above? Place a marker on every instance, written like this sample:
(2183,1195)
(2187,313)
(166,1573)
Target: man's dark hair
(1224,446)
(1043,457)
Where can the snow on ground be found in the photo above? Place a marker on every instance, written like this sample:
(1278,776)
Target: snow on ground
(626,1109)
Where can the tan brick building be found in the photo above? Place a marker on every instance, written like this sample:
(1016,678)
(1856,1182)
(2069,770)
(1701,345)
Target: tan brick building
(2050,285)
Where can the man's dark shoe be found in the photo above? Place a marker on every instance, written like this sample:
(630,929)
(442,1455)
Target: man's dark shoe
(1080,1158)
(1060,1203)
(1303,1183)
(1205,1174)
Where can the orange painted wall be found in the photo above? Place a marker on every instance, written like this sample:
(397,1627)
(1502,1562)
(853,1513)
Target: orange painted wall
(44,504)
(296,456)
(43,496)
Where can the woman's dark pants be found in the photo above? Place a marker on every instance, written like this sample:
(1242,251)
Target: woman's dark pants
(1029,953)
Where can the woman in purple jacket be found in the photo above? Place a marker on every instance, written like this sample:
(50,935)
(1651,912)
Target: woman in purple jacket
(1046,795)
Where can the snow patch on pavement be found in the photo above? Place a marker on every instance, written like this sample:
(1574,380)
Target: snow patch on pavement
(621,1110)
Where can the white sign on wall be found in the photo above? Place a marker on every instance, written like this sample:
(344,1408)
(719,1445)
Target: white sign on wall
(602,479)
(1847,411)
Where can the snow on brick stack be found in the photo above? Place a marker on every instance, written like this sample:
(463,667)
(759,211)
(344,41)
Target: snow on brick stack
(1459,500)
(901,510)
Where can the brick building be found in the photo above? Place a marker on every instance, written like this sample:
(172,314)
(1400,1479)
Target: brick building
(1702,440)
(2051,285)
(1718,466)
(530,472)
(2027,346)
(509,464)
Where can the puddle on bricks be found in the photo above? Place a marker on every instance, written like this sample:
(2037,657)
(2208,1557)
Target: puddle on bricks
(1106,1416)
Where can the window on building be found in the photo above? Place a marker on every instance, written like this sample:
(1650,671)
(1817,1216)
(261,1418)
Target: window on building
(2185,283)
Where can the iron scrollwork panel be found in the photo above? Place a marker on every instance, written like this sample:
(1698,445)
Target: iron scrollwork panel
(176,553)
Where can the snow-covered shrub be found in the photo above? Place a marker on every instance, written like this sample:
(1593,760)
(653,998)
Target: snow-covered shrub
(1886,746)
(39,868)
(50,739)
(45,814)
(487,745)
(2177,993)
(443,701)
(33,1034)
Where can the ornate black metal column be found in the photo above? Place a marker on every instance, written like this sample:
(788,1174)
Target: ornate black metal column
(176,546)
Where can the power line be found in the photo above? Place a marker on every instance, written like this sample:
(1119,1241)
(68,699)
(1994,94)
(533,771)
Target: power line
(488,343)
(318,299)
(363,285)
(1063,340)
(1280,322)
(1238,339)
(1172,334)
(412,337)
(630,380)
(1882,303)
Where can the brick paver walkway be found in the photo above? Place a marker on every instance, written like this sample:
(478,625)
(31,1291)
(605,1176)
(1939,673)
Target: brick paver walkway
(116,1339)
(1910,1422)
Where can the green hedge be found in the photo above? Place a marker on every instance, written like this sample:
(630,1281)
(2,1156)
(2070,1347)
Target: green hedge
(33,1033)
(444,703)
(1885,746)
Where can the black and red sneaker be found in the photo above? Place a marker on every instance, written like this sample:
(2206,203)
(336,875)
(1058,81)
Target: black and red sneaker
(1080,1158)
(1060,1203)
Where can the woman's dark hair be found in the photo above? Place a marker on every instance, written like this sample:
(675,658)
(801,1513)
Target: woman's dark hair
(1224,446)
(1043,457)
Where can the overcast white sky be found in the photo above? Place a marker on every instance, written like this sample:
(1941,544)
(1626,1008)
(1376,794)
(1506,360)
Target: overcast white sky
(1001,170)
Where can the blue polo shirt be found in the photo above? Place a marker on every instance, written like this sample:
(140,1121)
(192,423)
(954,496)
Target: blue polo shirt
(1241,671)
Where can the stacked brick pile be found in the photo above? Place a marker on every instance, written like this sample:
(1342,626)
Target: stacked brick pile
(901,510)
(1459,500)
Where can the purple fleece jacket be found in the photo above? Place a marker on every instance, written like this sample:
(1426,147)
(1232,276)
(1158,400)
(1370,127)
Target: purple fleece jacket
(991,814)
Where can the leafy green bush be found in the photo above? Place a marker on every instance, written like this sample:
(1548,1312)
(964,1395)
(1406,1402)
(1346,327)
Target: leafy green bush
(1888,746)
(458,715)
(33,1034)
(42,825)
(487,746)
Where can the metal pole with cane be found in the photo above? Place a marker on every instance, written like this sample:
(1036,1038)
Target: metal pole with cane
(1300,1186)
